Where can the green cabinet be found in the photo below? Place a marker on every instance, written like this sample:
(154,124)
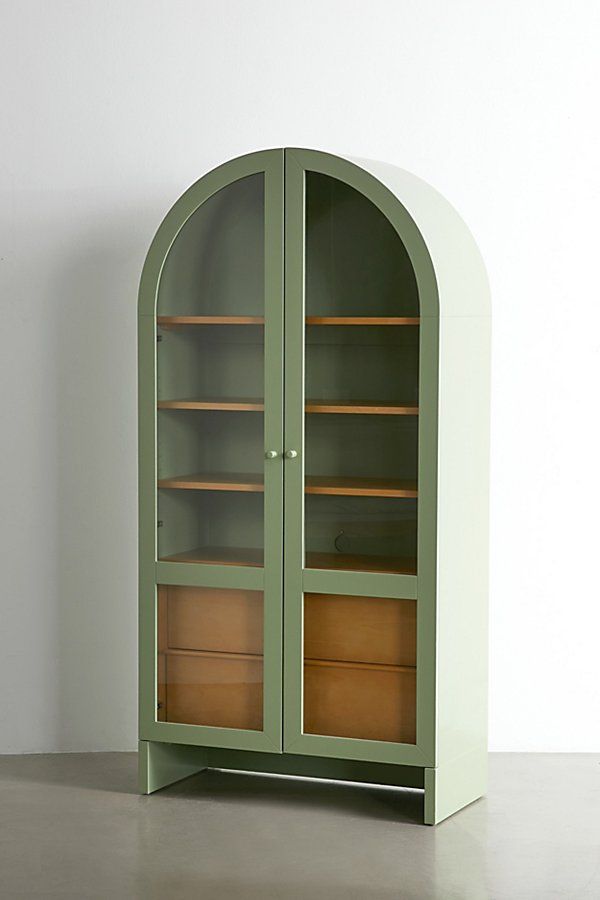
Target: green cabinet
(313,393)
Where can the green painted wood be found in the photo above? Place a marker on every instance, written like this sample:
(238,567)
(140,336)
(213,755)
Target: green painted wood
(359,584)
(205,735)
(270,165)
(451,581)
(250,578)
(160,765)
(294,439)
(316,767)
(454,785)
(298,162)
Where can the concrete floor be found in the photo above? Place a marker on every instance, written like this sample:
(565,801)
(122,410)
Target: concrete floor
(73,826)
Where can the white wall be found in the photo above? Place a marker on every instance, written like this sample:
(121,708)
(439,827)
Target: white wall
(111,108)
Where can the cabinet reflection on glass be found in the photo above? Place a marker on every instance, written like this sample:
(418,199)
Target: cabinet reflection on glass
(210,657)
(360,667)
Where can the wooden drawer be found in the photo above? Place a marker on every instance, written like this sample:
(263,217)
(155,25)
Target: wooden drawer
(195,618)
(212,690)
(360,629)
(372,702)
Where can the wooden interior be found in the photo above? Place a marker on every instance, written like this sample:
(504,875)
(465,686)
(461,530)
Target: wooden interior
(174,321)
(210,656)
(234,404)
(369,703)
(361,363)
(357,562)
(249,556)
(360,667)
(360,629)
(362,407)
(362,320)
(314,484)
(214,481)
(219,556)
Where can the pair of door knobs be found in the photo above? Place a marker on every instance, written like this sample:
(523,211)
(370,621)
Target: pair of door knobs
(273,454)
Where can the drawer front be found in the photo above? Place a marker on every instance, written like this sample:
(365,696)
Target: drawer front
(204,690)
(360,629)
(199,618)
(372,703)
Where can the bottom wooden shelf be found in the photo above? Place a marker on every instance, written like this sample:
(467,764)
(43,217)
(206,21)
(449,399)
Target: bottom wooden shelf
(219,556)
(362,563)
(249,556)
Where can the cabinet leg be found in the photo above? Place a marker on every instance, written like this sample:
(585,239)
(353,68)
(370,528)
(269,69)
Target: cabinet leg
(160,765)
(453,786)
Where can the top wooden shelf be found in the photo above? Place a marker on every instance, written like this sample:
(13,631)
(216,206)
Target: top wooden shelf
(362,320)
(175,321)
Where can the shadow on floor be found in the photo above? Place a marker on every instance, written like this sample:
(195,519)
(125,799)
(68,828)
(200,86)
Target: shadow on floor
(223,786)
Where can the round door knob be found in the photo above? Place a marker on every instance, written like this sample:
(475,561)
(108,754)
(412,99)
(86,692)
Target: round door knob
(291,454)
(271,454)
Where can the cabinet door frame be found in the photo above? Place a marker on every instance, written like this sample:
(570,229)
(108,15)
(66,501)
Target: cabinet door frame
(153,572)
(298,579)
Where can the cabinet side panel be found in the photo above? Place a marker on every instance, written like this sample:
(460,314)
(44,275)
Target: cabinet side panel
(462,563)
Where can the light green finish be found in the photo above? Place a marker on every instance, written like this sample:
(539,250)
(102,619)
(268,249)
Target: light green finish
(297,163)
(359,584)
(455,784)
(152,572)
(165,760)
(450,588)
(163,764)
(460,574)
(245,577)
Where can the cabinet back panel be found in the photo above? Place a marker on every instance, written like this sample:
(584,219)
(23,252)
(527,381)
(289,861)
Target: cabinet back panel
(209,441)
(372,704)
(211,361)
(224,693)
(208,518)
(383,446)
(356,263)
(360,629)
(223,619)
(216,263)
(361,525)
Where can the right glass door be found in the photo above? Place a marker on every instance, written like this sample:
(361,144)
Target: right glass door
(355,620)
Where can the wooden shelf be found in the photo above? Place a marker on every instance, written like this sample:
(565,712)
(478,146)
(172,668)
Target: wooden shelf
(211,654)
(347,664)
(368,407)
(255,404)
(362,563)
(359,487)
(314,484)
(219,556)
(362,320)
(177,321)
(251,404)
(214,481)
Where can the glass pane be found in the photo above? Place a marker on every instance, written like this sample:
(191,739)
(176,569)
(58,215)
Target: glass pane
(210,657)
(359,667)
(211,382)
(362,385)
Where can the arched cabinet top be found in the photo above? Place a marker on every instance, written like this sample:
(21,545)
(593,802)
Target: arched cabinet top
(448,267)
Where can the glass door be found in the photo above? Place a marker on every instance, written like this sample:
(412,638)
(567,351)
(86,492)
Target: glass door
(218,464)
(352,395)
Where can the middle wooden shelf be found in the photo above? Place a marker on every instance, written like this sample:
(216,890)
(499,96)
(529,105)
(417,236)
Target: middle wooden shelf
(342,485)
(254,404)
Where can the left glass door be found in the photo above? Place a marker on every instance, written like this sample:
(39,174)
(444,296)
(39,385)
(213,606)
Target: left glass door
(217,409)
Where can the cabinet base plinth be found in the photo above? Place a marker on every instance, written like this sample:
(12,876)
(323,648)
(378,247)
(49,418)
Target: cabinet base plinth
(447,788)
(451,787)
(160,765)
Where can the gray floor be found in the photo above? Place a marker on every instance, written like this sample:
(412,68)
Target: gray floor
(73,826)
